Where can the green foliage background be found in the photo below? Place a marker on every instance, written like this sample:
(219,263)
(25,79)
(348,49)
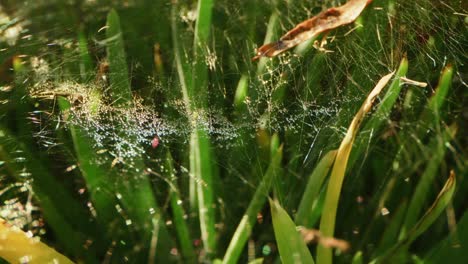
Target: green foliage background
(141,131)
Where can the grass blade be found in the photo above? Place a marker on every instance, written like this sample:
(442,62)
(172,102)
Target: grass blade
(86,63)
(198,93)
(18,247)
(201,169)
(314,184)
(327,223)
(429,217)
(291,245)
(272,31)
(422,190)
(439,98)
(453,249)
(357,259)
(200,143)
(118,71)
(134,190)
(96,178)
(247,222)
(182,68)
(241,94)
(381,114)
(179,213)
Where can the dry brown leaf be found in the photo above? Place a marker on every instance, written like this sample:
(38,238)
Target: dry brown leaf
(314,236)
(323,22)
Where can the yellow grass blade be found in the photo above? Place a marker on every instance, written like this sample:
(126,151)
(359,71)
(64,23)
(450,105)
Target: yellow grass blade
(327,223)
(17,247)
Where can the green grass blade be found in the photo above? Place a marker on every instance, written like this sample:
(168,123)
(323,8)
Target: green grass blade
(201,170)
(178,213)
(200,144)
(185,82)
(292,247)
(327,223)
(182,68)
(203,25)
(118,71)
(244,229)
(198,93)
(314,184)
(272,31)
(138,202)
(431,115)
(453,249)
(422,191)
(357,259)
(439,98)
(96,178)
(241,94)
(423,224)
(86,63)
(135,190)
(22,105)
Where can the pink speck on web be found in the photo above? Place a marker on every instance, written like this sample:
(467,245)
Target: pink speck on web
(155,142)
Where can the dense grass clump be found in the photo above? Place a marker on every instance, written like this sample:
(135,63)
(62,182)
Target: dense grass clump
(142,132)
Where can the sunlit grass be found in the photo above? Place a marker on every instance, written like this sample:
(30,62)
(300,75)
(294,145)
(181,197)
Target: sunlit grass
(143,132)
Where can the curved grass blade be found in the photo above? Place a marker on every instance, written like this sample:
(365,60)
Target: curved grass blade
(291,245)
(423,224)
(381,114)
(423,188)
(244,229)
(327,223)
(18,247)
(314,184)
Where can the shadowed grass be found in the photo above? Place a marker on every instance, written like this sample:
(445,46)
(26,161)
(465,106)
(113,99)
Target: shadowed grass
(421,226)
(244,229)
